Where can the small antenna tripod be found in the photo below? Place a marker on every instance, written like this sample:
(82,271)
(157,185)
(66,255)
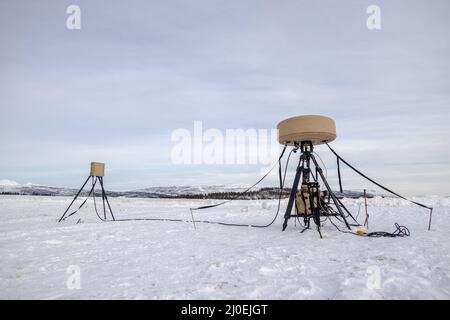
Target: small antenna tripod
(309,201)
(96,175)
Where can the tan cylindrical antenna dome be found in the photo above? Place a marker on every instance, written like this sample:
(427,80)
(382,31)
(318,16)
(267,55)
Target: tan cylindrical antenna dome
(314,128)
(97,169)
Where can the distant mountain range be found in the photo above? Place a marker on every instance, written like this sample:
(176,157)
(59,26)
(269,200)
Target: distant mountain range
(8,187)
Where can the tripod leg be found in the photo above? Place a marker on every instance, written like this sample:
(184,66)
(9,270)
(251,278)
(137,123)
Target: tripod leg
(106,198)
(320,233)
(314,199)
(429,222)
(94,181)
(287,215)
(75,198)
(339,175)
(333,196)
(348,212)
(104,205)
(304,229)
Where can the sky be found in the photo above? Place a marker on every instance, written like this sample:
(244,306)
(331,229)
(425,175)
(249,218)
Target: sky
(116,89)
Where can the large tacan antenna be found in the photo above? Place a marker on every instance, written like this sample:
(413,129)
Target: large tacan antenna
(310,201)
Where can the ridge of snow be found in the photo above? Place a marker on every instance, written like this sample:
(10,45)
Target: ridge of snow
(8,183)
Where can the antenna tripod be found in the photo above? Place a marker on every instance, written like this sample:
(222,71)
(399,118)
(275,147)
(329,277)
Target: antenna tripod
(310,202)
(96,175)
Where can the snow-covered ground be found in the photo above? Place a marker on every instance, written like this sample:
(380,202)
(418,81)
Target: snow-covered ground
(172,260)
